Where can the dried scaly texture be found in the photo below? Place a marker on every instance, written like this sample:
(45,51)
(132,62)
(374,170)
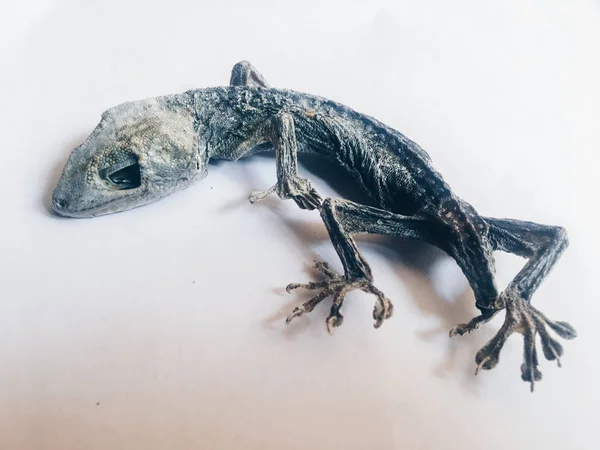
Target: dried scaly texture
(144,150)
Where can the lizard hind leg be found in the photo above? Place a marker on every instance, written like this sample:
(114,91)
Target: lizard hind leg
(542,245)
(343,219)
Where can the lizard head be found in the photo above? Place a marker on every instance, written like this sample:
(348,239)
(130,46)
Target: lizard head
(140,152)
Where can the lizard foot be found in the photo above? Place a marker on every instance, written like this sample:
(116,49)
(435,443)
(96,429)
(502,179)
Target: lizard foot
(301,191)
(298,189)
(522,318)
(338,286)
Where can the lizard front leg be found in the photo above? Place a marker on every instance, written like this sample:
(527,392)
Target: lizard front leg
(283,138)
(343,219)
(289,184)
(542,245)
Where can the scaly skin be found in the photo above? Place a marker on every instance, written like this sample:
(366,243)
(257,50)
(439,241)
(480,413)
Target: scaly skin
(145,150)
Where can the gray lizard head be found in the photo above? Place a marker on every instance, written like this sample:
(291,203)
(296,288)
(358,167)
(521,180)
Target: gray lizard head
(140,152)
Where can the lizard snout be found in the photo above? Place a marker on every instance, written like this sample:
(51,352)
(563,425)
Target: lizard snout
(59,204)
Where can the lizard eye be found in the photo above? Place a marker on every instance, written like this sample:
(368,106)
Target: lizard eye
(125,174)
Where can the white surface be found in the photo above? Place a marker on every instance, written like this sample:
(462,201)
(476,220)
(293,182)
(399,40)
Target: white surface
(162,327)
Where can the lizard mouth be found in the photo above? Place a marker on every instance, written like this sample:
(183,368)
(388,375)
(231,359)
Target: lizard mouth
(109,207)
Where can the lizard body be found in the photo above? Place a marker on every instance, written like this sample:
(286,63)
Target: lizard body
(394,171)
(145,150)
(379,158)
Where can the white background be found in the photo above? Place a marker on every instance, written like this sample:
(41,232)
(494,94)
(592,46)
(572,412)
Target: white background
(163,327)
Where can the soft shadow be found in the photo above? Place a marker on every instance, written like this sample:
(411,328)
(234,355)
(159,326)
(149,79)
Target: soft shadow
(412,261)
(336,177)
(307,236)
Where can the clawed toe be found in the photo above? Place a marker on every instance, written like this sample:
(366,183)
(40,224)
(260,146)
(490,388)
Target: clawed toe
(322,267)
(335,318)
(301,191)
(308,200)
(489,355)
(310,286)
(473,325)
(261,195)
(383,309)
(338,286)
(297,312)
(522,318)
(298,189)
(325,269)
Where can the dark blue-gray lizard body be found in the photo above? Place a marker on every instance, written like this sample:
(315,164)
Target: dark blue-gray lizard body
(142,151)
(380,159)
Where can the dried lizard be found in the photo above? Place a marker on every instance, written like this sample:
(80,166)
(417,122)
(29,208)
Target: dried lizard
(144,150)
